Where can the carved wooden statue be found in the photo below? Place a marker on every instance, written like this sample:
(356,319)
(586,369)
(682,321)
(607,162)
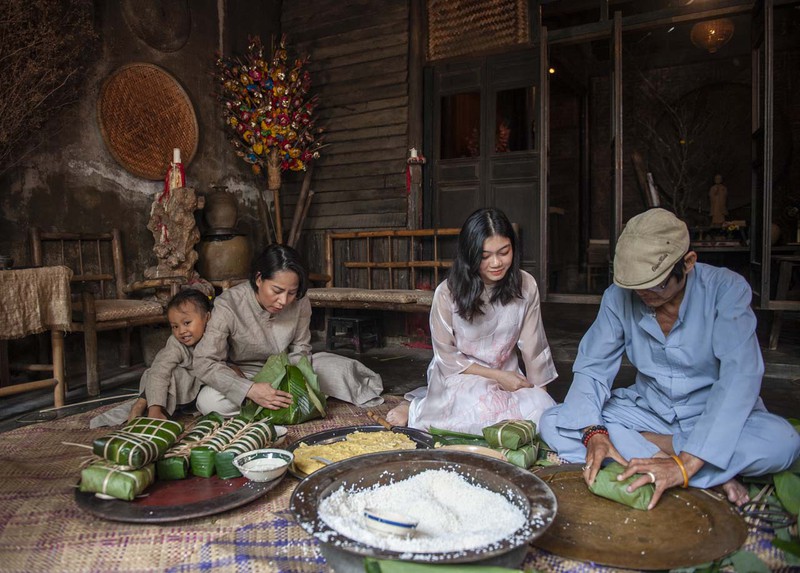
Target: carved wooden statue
(173,226)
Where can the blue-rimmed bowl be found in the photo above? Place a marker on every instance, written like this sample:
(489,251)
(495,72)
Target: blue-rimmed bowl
(389,522)
(263,465)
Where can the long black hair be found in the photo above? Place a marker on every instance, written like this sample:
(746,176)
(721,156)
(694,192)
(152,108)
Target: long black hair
(464,279)
(276,258)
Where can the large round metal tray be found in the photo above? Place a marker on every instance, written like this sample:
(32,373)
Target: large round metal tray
(344,554)
(687,527)
(177,500)
(423,439)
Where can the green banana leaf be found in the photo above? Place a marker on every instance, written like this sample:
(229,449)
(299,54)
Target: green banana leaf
(174,464)
(523,457)
(511,434)
(372,565)
(449,438)
(606,485)
(787,488)
(204,426)
(138,443)
(226,433)
(453,434)
(300,381)
(201,461)
(109,479)
(175,467)
(257,435)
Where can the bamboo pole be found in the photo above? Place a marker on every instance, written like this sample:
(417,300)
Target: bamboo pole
(274,185)
(294,232)
(303,215)
(263,214)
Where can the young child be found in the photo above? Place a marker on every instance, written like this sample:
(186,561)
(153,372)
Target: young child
(168,383)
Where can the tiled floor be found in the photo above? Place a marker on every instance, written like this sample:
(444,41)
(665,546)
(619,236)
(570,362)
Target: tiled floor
(403,368)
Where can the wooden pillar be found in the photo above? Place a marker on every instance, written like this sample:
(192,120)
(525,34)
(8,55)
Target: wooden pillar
(416,62)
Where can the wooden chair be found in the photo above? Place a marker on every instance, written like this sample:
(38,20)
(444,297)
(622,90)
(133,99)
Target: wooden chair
(99,290)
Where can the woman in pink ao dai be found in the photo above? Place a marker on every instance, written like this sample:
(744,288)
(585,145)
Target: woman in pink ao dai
(486,310)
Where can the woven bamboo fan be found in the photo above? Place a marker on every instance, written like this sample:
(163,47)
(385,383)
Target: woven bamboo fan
(461,28)
(144,114)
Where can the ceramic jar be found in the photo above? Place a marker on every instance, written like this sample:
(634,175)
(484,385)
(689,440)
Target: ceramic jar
(224,256)
(221,210)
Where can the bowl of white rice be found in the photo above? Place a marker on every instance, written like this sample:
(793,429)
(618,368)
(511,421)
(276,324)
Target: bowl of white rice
(468,508)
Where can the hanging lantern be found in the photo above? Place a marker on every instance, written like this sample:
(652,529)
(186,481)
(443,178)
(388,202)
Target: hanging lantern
(712,34)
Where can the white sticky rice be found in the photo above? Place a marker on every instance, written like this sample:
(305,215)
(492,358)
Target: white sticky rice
(453,514)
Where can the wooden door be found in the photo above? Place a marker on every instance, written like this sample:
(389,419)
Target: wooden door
(484,126)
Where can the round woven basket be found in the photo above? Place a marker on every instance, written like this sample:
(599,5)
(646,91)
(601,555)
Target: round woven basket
(144,114)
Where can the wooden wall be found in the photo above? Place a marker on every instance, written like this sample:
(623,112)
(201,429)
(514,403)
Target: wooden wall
(359,67)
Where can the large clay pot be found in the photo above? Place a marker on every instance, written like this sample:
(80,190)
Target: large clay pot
(224,256)
(221,210)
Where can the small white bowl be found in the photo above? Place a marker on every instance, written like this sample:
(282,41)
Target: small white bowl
(263,465)
(389,522)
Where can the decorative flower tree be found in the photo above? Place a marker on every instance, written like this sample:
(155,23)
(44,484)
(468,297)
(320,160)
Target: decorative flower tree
(267,107)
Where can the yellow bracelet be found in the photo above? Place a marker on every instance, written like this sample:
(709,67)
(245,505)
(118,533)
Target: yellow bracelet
(683,471)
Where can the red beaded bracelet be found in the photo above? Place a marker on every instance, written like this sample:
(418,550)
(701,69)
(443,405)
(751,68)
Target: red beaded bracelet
(592,431)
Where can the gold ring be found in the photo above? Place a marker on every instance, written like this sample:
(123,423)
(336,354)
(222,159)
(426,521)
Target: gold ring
(652,477)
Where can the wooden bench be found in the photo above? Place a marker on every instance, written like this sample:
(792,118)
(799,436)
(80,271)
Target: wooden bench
(390,269)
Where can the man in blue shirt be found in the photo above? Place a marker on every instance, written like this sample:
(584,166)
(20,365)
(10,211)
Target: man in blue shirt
(693,416)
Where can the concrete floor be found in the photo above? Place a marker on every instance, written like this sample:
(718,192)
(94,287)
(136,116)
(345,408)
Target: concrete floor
(403,368)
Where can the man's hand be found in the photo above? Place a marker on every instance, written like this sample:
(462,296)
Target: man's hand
(511,381)
(268,397)
(663,472)
(597,450)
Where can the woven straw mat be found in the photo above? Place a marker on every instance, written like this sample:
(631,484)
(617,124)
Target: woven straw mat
(144,114)
(44,530)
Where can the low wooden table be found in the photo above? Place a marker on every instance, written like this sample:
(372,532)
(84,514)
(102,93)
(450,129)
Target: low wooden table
(34,300)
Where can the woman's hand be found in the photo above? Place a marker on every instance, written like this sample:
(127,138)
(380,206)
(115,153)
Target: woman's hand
(597,450)
(268,397)
(508,380)
(511,381)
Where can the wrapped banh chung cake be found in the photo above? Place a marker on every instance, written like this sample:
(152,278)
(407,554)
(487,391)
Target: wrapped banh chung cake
(138,443)
(238,434)
(175,462)
(511,434)
(109,479)
(606,485)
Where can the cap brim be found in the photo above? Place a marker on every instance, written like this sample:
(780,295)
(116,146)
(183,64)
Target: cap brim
(633,272)
(648,284)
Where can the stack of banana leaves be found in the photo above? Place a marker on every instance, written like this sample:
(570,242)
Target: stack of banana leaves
(308,401)
(125,466)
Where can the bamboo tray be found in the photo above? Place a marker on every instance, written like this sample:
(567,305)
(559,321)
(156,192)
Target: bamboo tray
(144,114)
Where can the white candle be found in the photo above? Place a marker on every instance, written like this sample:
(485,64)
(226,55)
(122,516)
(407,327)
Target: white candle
(413,153)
